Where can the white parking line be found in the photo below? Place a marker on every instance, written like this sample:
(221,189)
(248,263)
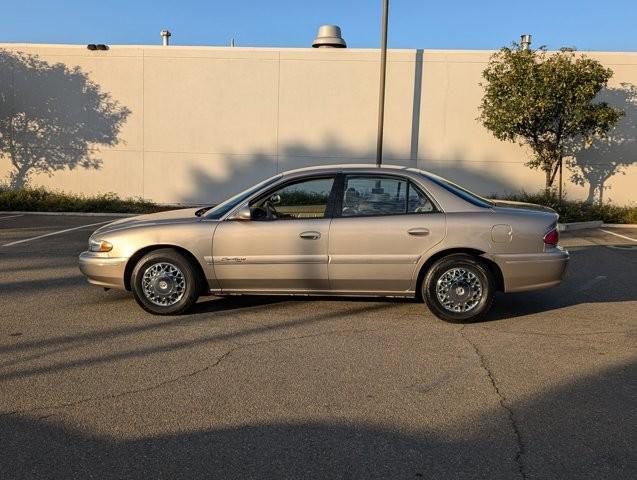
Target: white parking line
(54,233)
(618,235)
(10,216)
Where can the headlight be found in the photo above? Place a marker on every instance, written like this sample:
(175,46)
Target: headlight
(99,245)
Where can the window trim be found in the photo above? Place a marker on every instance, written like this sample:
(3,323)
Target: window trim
(338,204)
(458,191)
(329,207)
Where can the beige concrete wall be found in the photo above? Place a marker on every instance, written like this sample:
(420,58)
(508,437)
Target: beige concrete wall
(204,122)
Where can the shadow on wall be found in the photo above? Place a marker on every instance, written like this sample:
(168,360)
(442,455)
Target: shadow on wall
(573,431)
(594,164)
(52,117)
(207,186)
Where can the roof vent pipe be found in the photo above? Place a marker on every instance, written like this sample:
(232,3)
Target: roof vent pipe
(329,36)
(525,41)
(165,37)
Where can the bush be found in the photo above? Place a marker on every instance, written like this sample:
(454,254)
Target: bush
(41,200)
(577,211)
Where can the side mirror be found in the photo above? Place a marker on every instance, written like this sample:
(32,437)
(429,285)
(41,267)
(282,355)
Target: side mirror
(275,199)
(243,214)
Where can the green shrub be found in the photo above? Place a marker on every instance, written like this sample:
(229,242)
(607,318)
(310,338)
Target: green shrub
(42,200)
(577,211)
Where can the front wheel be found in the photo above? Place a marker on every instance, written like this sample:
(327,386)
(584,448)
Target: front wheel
(459,288)
(164,283)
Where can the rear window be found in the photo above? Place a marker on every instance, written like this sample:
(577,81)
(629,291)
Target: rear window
(459,191)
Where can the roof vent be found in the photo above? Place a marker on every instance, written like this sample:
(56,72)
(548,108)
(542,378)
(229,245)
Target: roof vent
(165,37)
(329,36)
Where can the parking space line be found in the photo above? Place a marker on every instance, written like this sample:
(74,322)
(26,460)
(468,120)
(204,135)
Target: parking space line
(54,233)
(619,235)
(10,216)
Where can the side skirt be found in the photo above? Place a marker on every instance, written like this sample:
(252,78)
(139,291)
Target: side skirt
(316,293)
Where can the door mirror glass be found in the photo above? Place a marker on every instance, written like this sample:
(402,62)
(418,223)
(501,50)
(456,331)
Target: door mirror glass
(243,214)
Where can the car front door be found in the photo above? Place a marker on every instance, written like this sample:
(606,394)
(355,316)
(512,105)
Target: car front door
(382,226)
(283,246)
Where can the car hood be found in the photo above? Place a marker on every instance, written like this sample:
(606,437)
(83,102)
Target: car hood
(184,215)
(522,206)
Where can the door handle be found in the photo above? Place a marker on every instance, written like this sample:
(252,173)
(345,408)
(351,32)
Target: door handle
(311,235)
(418,231)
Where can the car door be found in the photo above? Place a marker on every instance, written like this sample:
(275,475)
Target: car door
(382,226)
(283,247)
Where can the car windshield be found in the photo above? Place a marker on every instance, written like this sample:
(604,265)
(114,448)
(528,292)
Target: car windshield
(215,213)
(459,191)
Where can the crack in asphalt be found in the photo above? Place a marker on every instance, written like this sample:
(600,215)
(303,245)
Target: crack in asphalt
(521,449)
(216,363)
(124,393)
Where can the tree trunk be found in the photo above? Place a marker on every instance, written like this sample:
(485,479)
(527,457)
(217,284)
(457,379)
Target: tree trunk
(559,188)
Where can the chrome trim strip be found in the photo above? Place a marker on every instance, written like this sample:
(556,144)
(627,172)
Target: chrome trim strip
(269,259)
(321,293)
(374,259)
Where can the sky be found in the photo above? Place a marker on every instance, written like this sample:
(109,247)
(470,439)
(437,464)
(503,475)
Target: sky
(479,24)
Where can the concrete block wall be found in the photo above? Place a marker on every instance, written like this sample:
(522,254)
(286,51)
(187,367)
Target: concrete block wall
(201,123)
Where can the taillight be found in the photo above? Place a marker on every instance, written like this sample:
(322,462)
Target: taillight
(552,237)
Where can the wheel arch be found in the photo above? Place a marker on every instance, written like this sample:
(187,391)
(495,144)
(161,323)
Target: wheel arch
(136,257)
(478,254)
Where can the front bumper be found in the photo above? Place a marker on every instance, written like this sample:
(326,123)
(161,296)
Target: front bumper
(103,271)
(524,272)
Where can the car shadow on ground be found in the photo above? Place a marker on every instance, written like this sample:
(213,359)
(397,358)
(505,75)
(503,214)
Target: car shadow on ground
(583,429)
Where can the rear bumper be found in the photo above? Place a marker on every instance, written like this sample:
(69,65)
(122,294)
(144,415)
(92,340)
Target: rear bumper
(103,271)
(524,272)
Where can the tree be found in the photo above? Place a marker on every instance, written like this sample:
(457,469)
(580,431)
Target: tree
(545,100)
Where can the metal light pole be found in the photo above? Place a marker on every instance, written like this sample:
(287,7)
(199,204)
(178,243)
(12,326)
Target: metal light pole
(381,93)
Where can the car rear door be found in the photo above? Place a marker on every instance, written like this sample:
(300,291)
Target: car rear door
(382,226)
(281,251)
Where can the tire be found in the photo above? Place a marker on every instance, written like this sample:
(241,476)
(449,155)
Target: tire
(164,282)
(459,288)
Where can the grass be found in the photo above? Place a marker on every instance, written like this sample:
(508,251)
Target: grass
(578,211)
(42,200)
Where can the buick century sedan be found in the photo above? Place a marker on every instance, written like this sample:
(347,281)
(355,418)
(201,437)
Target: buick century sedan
(348,230)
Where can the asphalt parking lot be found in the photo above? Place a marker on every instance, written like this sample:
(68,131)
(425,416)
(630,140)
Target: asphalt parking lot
(93,387)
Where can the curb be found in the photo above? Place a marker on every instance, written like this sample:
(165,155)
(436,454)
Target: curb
(620,225)
(78,214)
(568,227)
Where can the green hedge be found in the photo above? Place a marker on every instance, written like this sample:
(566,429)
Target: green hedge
(576,211)
(42,200)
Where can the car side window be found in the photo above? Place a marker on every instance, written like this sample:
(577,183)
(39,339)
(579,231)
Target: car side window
(417,201)
(376,196)
(371,196)
(304,199)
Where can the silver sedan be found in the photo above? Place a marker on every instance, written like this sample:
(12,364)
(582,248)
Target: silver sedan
(348,230)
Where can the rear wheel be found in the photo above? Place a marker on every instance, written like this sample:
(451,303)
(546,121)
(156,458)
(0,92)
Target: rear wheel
(459,288)
(164,282)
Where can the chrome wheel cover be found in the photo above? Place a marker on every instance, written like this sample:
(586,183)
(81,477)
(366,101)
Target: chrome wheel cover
(163,284)
(459,290)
